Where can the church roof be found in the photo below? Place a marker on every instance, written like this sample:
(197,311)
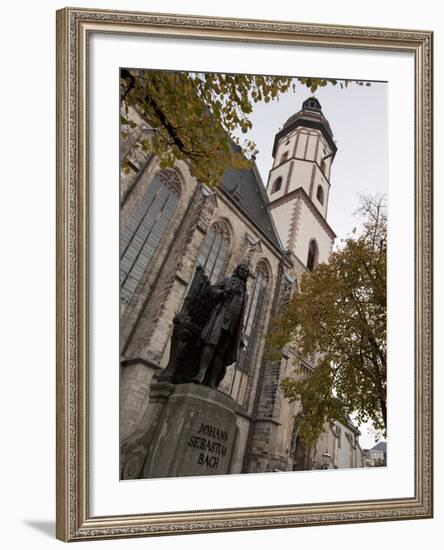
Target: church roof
(245,189)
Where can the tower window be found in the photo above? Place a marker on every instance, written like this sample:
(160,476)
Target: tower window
(284,157)
(276,185)
(323,166)
(313,255)
(320,194)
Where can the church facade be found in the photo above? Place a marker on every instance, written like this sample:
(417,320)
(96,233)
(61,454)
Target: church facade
(170,223)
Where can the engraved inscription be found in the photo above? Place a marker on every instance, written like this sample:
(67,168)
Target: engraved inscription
(210,440)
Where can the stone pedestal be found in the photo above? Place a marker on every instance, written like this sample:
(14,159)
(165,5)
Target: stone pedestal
(135,448)
(136,377)
(187,430)
(195,434)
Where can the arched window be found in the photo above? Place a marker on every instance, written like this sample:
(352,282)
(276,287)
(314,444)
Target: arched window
(214,251)
(320,194)
(144,228)
(253,313)
(284,157)
(277,184)
(313,254)
(323,166)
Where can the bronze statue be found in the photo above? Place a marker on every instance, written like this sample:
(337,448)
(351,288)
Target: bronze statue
(207,331)
(222,334)
(188,324)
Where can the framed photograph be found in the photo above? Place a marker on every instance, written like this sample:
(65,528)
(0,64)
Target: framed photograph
(244,274)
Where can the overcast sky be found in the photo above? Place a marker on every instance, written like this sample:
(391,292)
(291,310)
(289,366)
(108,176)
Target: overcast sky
(358,119)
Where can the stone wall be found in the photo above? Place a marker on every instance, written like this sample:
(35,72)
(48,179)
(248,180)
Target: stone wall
(147,321)
(262,453)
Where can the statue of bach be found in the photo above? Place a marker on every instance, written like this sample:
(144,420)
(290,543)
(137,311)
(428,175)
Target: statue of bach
(207,331)
(221,336)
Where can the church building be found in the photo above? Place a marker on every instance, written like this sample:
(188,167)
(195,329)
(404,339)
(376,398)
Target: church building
(170,223)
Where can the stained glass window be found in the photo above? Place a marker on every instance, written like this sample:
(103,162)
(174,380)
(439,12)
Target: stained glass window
(214,251)
(252,315)
(144,229)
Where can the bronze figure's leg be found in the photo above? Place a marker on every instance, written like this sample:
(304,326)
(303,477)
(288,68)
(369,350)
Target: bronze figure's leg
(205,360)
(213,372)
(212,376)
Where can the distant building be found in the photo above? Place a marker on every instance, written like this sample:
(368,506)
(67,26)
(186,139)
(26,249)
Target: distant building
(377,455)
(170,223)
(340,451)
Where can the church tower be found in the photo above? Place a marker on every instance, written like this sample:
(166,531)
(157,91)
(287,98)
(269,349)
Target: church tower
(299,184)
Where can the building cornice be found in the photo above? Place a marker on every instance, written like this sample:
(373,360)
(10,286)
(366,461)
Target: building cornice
(140,361)
(307,123)
(293,158)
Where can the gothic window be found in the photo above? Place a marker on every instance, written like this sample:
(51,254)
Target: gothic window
(256,299)
(144,229)
(214,251)
(313,254)
(276,185)
(320,194)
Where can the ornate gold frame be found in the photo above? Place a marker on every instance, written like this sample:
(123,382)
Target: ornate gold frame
(73,519)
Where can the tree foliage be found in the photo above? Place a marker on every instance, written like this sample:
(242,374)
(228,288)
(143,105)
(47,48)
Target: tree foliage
(193,116)
(339,318)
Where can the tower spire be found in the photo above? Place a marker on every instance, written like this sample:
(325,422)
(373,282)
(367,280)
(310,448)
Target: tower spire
(299,183)
(311,104)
